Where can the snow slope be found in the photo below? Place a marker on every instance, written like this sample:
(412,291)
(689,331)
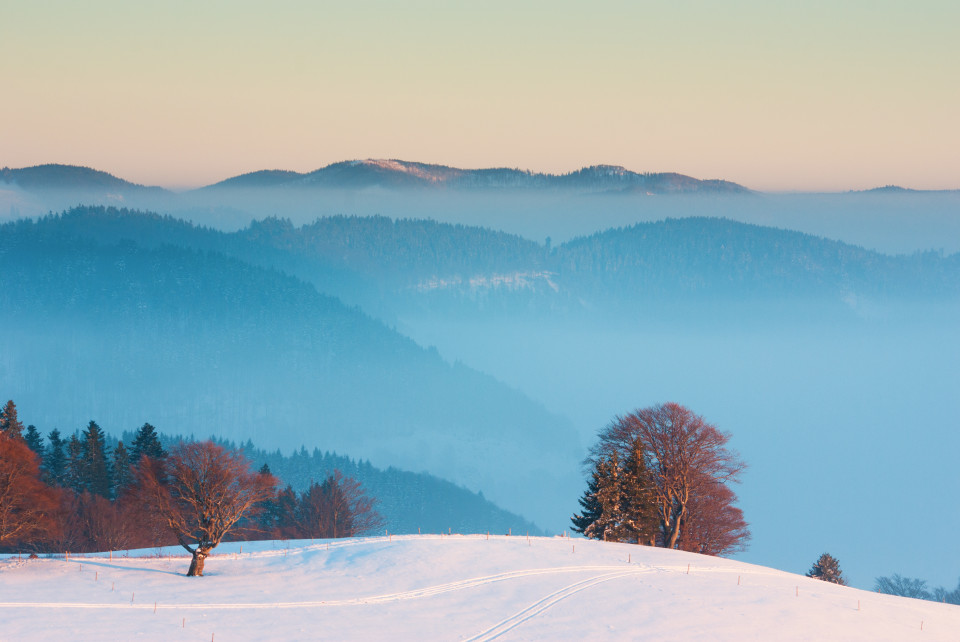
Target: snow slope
(443,587)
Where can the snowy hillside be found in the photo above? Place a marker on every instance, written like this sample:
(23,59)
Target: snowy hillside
(445,588)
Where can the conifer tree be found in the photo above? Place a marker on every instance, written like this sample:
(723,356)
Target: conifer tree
(610,501)
(34,440)
(95,470)
(122,473)
(591,507)
(827,568)
(638,500)
(10,425)
(284,514)
(602,502)
(54,459)
(146,442)
(73,470)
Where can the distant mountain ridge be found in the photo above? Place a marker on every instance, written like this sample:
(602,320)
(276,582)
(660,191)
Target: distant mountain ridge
(394,173)
(401,174)
(388,174)
(66,177)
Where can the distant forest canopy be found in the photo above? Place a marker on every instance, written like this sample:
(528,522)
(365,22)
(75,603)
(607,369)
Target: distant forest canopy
(388,266)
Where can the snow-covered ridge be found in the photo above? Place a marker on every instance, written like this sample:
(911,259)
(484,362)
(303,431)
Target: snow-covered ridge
(480,282)
(416,169)
(476,587)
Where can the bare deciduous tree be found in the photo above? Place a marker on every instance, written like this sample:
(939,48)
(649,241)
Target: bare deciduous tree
(689,461)
(336,508)
(713,525)
(201,492)
(27,505)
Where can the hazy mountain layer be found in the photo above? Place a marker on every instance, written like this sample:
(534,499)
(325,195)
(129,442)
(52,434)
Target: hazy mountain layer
(197,342)
(394,267)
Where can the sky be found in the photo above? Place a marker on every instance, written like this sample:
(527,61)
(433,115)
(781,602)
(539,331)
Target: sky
(780,96)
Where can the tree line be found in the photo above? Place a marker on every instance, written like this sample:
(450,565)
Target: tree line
(75,495)
(897,584)
(660,477)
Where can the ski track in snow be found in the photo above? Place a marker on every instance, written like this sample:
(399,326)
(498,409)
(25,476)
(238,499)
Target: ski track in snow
(545,603)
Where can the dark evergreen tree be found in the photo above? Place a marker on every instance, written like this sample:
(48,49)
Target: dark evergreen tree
(591,510)
(96,476)
(827,569)
(285,514)
(9,422)
(34,440)
(122,471)
(602,502)
(267,511)
(54,459)
(609,500)
(146,442)
(73,476)
(638,492)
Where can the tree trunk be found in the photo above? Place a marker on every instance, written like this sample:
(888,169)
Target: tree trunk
(196,564)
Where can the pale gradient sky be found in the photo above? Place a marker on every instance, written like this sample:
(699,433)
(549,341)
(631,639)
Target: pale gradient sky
(811,95)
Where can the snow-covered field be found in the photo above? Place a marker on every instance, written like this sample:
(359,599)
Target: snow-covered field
(444,588)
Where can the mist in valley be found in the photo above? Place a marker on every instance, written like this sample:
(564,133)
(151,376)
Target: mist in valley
(834,366)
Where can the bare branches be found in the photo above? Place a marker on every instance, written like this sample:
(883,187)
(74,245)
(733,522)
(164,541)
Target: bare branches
(201,492)
(27,505)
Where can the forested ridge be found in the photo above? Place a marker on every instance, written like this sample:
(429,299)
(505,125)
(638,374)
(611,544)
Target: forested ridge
(385,265)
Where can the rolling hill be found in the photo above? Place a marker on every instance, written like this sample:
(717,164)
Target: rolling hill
(444,587)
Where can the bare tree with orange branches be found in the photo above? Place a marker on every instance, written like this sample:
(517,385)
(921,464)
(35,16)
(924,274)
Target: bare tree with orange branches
(200,492)
(27,505)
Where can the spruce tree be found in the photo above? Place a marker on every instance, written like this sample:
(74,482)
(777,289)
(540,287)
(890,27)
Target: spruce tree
(638,500)
(146,442)
(827,568)
(591,507)
(9,423)
(34,440)
(285,514)
(608,500)
(54,459)
(96,475)
(74,475)
(122,473)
